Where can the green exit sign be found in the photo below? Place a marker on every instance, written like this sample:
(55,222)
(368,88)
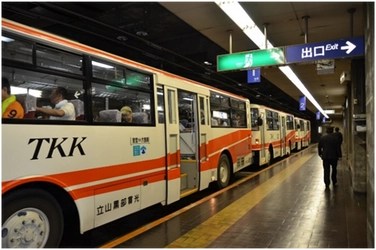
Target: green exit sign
(251,59)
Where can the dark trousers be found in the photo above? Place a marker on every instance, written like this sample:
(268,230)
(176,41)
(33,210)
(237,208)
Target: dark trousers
(327,164)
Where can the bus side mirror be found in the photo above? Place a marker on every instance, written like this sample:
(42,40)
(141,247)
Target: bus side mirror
(259,121)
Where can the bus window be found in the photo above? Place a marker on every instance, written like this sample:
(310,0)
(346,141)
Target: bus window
(186,110)
(171,107)
(107,71)
(254,116)
(202,112)
(275,121)
(39,85)
(16,49)
(59,60)
(133,103)
(269,120)
(289,122)
(160,103)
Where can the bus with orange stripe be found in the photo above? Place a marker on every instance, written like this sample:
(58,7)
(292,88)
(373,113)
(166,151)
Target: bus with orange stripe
(139,136)
(302,133)
(274,134)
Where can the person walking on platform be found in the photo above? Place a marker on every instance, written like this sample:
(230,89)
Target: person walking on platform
(329,150)
(339,135)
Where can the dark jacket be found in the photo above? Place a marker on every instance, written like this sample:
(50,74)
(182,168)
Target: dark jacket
(329,147)
(339,137)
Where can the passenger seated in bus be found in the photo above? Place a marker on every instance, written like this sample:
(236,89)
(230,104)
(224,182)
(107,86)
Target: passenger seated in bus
(11,108)
(223,123)
(127,117)
(183,126)
(237,122)
(63,109)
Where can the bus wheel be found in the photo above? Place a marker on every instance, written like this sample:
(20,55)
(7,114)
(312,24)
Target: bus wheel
(224,172)
(270,157)
(31,218)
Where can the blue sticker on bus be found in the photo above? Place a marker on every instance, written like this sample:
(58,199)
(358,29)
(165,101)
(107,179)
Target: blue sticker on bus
(139,150)
(143,150)
(136,150)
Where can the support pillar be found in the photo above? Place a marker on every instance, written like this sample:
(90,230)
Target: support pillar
(369,38)
(358,132)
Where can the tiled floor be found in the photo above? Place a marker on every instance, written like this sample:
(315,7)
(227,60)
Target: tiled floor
(286,206)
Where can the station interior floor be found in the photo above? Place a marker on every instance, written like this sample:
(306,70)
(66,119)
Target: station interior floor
(285,206)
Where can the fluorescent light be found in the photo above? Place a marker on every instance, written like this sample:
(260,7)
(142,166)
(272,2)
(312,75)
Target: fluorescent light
(18,90)
(329,111)
(238,15)
(6,39)
(188,99)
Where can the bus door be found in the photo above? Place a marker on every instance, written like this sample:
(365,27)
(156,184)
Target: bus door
(283,136)
(189,118)
(305,134)
(263,128)
(172,145)
(204,131)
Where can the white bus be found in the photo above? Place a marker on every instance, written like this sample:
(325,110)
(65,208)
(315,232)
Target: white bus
(98,168)
(273,134)
(302,133)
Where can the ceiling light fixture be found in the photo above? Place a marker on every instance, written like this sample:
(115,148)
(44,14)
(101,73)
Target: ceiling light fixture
(122,38)
(141,33)
(239,16)
(330,111)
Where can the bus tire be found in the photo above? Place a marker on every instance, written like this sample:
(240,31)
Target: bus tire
(270,157)
(31,218)
(224,172)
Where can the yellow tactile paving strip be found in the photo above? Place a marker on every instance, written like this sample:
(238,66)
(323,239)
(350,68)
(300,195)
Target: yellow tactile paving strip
(204,234)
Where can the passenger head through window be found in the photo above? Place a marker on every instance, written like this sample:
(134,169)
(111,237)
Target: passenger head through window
(126,113)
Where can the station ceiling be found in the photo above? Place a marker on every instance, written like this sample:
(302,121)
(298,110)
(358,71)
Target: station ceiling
(180,36)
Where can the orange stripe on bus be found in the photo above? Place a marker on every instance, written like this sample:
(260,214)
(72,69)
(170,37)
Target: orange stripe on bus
(131,182)
(173,159)
(173,173)
(92,175)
